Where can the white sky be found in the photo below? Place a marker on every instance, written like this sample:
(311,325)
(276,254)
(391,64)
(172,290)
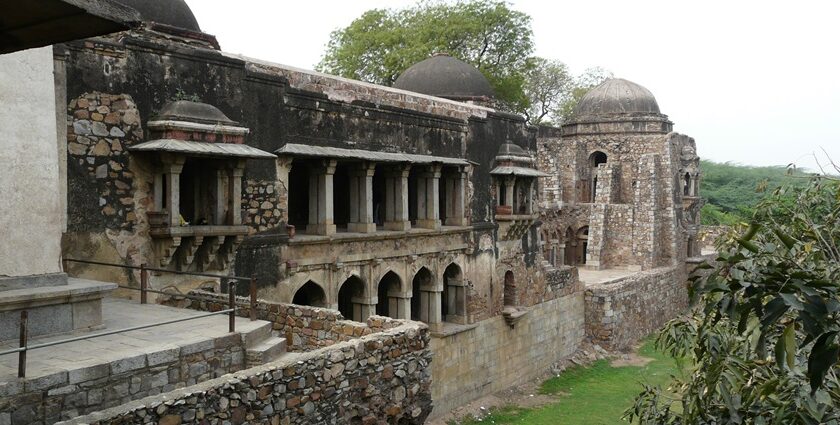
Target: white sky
(754,82)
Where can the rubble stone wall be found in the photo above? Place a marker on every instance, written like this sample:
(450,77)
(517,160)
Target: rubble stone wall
(382,378)
(305,328)
(67,394)
(493,355)
(621,312)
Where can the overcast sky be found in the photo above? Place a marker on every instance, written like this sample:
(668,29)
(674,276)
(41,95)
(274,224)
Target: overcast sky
(753,82)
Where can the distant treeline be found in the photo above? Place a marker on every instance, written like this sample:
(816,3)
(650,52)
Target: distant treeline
(732,191)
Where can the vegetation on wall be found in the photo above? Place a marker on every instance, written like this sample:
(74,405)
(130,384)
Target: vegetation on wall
(732,191)
(764,339)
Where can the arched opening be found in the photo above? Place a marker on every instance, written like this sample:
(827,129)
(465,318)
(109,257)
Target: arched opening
(571,247)
(310,294)
(349,296)
(595,159)
(582,243)
(510,289)
(454,305)
(388,292)
(424,301)
(687,184)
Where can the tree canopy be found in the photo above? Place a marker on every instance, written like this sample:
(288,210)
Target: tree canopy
(763,342)
(378,46)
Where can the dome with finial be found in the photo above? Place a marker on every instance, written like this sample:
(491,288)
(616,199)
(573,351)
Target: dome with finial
(444,76)
(617,96)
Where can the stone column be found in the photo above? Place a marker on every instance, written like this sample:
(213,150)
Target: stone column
(361,199)
(434,309)
(428,198)
(363,308)
(236,193)
(531,196)
(172,167)
(399,306)
(396,198)
(510,186)
(455,205)
(561,254)
(222,192)
(321,199)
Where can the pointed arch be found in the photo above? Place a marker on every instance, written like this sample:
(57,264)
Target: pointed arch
(454,303)
(349,294)
(389,293)
(311,294)
(425,301)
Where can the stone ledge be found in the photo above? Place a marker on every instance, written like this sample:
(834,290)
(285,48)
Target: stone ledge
(74,291)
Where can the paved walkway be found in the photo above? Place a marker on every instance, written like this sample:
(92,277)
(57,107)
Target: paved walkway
(120,314)
(602,276)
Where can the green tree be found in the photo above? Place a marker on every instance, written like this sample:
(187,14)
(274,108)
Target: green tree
(381,44)
(548,85)
(763,340)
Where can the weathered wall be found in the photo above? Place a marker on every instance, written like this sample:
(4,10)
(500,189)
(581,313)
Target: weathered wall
(621,312)
(492,355)
(67,394)
(377,379)
(305,328)
(30,165)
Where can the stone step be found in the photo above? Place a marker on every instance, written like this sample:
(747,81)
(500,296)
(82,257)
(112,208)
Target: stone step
(268,350)
(257,335)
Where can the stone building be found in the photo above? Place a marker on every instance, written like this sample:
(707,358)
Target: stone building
(352,203)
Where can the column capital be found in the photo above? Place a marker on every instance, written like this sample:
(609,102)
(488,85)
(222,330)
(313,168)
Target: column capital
(401,170)
(325,166)
(363,169)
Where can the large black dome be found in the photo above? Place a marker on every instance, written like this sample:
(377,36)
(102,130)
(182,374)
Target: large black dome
(617,96)
(444,76)
(175,13)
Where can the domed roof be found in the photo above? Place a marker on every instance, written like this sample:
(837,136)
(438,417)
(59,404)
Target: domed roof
(444,76)
(617,96)
(185,110)
(175,13)
(510,149)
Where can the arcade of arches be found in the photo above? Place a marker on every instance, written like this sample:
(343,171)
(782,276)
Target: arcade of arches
(428,299)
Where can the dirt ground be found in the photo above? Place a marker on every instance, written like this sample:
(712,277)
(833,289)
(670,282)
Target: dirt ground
(527,394)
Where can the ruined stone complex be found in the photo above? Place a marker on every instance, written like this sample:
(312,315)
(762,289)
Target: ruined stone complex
(361,210)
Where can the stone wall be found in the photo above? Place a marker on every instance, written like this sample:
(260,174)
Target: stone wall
(260,206)
(29,180)
(621,312)
(491,355)
(67,394)
(305,328)
(377,379)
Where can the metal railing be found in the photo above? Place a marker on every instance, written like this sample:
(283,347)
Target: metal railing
(231,281)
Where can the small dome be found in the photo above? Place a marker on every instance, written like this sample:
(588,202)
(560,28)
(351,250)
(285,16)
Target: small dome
(510,149)
(175,13)
(185,110)
(444,76)
(617,96)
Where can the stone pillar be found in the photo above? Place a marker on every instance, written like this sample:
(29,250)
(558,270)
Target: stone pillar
(236,193)
(222,191)
(510,186)
(457,300)
(561,254)
(396,198)
(399,306)
(531,196)
(321,199)
(363,308)
(455,205)
(172,167)
(428,198)
(361,199)
(434,309)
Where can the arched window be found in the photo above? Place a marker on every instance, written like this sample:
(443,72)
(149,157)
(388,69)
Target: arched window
(424,304)
(687,184)
(388,293)
(454,305)
(582,243)
(350,291)
(595,159)
(310,294)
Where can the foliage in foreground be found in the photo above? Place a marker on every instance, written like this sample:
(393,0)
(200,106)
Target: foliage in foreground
(764,339)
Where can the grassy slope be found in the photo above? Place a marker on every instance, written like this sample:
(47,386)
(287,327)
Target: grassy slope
(597,394)
(731,190)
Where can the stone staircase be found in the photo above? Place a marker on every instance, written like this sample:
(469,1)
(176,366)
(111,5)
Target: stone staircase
(262,345)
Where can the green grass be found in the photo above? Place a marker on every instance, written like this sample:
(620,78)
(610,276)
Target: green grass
(595,394)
